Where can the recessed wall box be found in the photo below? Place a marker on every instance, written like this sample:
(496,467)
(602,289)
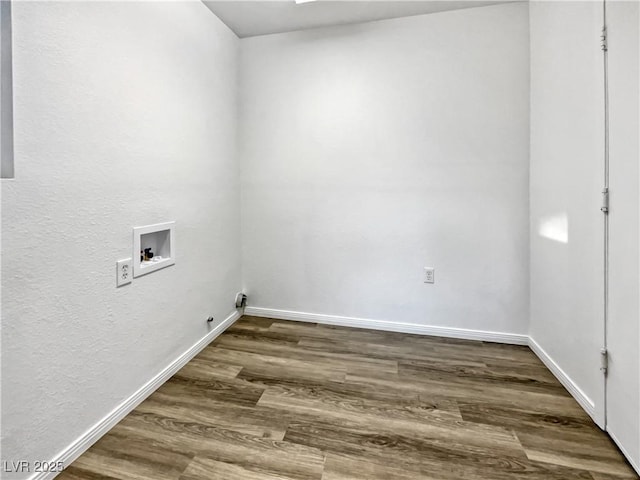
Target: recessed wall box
(158,239)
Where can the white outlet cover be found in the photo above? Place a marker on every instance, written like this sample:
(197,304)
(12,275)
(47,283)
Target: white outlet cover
(124,272)
(429,275)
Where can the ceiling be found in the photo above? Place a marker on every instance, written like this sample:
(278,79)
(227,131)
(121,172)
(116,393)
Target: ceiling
(248,18)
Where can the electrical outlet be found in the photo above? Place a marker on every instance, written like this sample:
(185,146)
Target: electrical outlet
(429,275)
(124,272)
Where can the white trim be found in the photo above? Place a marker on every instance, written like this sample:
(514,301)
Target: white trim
(629,458)
(481,335)
(82,444)
(585,402)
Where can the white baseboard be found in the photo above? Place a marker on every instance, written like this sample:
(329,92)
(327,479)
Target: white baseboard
(624,451)
(91,436)
(585,402)
(463,333)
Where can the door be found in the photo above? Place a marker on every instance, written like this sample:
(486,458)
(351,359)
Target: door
(623,331)
(566,178)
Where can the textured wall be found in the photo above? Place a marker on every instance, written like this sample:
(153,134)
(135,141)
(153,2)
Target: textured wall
(370,151)
(125,115)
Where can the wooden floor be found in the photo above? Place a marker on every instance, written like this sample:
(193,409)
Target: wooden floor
(282,400)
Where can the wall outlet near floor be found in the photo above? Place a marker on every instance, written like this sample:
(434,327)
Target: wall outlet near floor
(429,275)
(124,272)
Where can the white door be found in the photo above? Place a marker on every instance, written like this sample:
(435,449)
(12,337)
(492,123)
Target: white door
(623,329)
(566,178)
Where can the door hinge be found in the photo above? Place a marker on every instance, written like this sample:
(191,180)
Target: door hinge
(605,201)
(604,361)
(603,40)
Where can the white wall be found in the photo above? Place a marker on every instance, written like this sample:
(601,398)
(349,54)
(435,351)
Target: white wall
(125,115)
(623,383)
(370,151)
(566,180)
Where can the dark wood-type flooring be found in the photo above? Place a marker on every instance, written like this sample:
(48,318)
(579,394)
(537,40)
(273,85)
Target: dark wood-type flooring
(271,399)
